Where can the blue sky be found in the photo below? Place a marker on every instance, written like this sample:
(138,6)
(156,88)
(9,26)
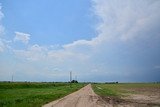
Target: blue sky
(50,22)
(98,40)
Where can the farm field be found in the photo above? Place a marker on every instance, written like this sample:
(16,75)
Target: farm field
(130,94)
(33,94)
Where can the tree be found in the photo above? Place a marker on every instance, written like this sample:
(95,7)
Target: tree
(74,81)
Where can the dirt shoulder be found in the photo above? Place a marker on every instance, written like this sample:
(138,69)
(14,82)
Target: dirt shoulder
(149,97)
(136,97)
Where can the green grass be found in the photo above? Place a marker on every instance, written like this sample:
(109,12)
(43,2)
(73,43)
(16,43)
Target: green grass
(105,89)
(118,90)
(33,94)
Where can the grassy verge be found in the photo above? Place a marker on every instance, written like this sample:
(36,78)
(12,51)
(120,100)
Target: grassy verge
(105,89)
(33,94)
(118,90)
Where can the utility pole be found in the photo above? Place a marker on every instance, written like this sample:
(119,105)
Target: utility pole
(12,78)
(70,77)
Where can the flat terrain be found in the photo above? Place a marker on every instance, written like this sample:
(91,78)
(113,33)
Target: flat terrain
(29,94)
(130,95)
(104,95)
(84,97)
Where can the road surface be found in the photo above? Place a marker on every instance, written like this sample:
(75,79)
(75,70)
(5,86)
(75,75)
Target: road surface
(85,97)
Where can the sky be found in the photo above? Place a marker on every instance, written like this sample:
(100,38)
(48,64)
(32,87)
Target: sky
(96,40)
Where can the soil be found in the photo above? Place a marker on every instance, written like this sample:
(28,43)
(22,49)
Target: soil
(147,97)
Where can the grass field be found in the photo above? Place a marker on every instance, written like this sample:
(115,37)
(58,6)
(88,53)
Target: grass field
(121,88)
(23,94)
(142,94)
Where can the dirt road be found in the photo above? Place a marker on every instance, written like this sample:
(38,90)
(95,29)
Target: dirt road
(84,97)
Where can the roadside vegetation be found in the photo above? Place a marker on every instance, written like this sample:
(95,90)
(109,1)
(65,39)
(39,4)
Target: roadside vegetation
(33,94)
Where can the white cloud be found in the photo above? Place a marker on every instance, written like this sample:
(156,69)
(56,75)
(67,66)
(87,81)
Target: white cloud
(126,20)
(1,30)
(121,21)
(33,53)
(1,26)
(1,14)
(77,43)
(23,37)
(1,46)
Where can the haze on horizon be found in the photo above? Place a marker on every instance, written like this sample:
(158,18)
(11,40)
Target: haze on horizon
(98,40)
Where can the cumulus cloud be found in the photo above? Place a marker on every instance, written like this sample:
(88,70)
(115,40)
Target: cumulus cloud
(1,14)
(127,20)
(122,21)
(23,37)
(33,53)
(1,26)
(2,45)
(1,30)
